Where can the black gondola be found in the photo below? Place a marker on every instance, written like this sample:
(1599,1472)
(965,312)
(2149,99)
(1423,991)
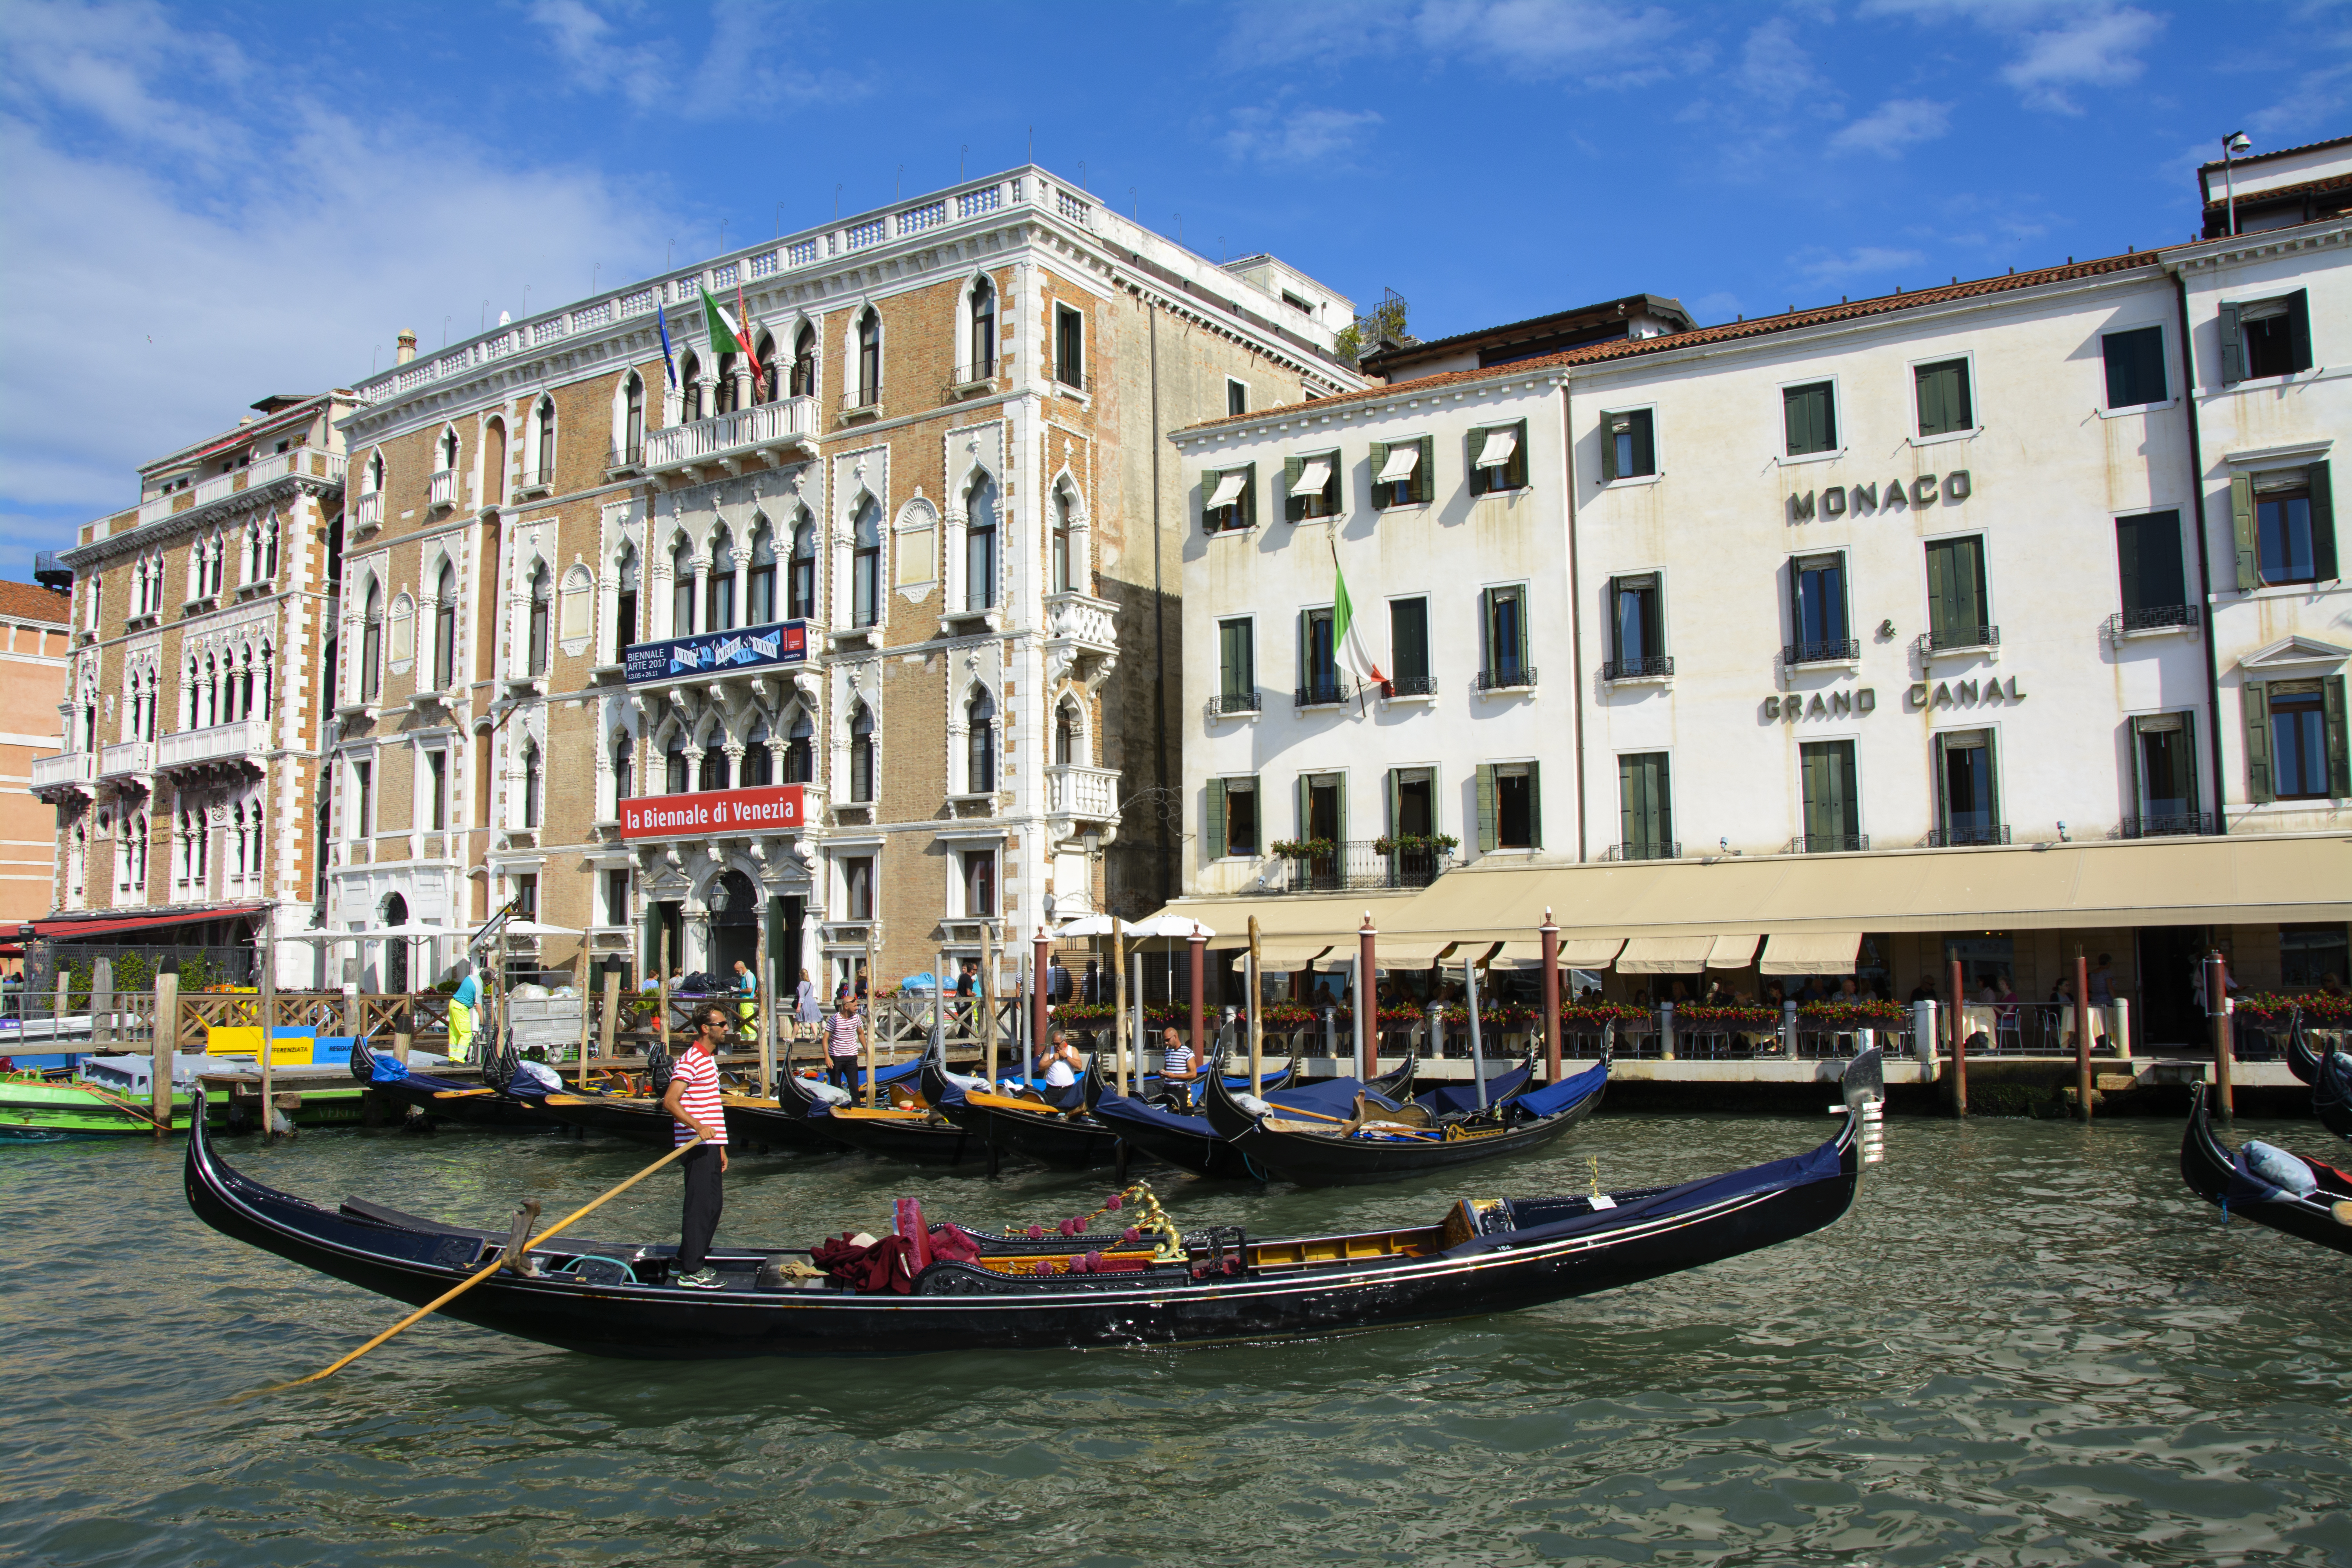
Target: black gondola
(1078,1292)
(1063,1136)
(1185,1139)
(2331,1093)
(438,1099)
(1331,1150)
(2226,1178)
(917,1134)
(2301,1059)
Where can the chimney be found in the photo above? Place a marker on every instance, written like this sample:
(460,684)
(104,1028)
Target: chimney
(407,342)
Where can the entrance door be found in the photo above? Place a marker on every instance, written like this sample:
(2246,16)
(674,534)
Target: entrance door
(734,925)
(2166,1008)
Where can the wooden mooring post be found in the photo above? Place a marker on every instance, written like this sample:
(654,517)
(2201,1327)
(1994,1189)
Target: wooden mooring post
(101,1004)
(608,1023)
(2217,1017)
(1960,1042)
(166,1048)
(2083,1032)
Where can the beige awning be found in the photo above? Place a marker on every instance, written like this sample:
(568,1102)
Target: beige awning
(1402,461)
(1732,950)
(1290,957)
(1665,955)
(1312,478)
(1417,953)
(1229,485)
(1578,953)
(1813,953)
(1331,920)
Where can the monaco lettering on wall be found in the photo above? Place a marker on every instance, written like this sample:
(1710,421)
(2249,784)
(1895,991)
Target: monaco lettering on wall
(773,808)
(1896,494)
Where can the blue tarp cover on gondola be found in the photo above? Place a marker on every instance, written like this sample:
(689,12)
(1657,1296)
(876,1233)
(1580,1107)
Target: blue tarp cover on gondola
(1336,1098)
(1460,1099)
(1819,1165)
(1566,1092)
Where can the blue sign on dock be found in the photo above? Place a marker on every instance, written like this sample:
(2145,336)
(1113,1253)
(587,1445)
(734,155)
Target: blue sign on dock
(717,652)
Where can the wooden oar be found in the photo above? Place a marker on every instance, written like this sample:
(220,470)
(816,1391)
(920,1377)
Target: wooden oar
(488,1270)
(124,1105)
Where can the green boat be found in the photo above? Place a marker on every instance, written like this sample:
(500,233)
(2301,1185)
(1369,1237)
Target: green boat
(32,1106)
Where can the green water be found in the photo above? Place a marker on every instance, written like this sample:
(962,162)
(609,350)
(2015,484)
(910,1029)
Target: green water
(2025,1345)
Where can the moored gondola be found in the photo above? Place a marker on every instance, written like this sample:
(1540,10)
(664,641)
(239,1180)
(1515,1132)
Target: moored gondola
(1040,1290)
(435,1098)
(2301,1059)
(2304,1198)
(2331,1093)
(1059,1133)
(1185,1139)
(1370,1144)
(904,1128)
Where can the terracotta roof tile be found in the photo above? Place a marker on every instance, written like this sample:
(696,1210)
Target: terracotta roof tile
(31,602)
(1733,331)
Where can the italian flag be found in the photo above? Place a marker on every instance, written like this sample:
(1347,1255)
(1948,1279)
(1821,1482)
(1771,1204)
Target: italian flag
(1346,642)
(727,335)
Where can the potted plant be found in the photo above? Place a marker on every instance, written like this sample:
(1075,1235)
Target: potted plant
(1305,848)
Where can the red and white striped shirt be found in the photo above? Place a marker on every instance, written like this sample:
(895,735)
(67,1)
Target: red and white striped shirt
(699,1100)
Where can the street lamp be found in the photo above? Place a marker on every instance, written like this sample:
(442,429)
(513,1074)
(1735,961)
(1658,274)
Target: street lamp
(2233,145)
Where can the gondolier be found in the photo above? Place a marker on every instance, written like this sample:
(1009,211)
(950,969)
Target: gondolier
(693,1102)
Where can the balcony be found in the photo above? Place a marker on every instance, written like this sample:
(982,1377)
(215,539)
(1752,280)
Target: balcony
(1508,677)
(66,771)
(1081,637)
(1320,694)
(444,493)
(2151,619)
(972,379)
(861,403)
(1410,686)
(1233,702)
(1359,864)
(130,759)
(367,513)
(1081,792)
(624,460)
(1649,667)
(2180,824)
(1958,639)
(242,742)
(1664,849)
(1828,843)
(727,442)
(1966,836)
(313,462)
(1847,651)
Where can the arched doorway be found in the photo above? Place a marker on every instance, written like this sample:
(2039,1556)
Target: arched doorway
(734,923)
(395,953)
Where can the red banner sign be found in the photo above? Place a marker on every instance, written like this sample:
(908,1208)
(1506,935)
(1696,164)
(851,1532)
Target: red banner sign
(773,809)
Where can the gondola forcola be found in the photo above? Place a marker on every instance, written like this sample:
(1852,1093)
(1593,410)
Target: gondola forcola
(2270,1186)
(1371,1140)
(1063,1291)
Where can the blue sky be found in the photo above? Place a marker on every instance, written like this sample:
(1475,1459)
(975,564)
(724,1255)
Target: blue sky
(199,205)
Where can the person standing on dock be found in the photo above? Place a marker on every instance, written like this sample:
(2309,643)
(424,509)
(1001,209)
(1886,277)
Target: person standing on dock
(462,1003)
(841,1042)
(693,1103)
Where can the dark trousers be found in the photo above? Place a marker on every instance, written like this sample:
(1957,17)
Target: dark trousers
(705,1198)
(839,1071)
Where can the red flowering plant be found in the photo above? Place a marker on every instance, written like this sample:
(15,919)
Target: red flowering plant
(1083,1013)
(2333,1012)
(2318,1008)
(1737,1014)
(1595,1013)
(1871,1013)
(1290,1015)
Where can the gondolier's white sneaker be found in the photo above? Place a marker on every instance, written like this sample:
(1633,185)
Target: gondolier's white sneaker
(703,1278)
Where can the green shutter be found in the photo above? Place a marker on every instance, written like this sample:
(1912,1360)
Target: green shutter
(1535,806)
(1486,839)
(1339,828)
(1486,629)
(1968,581)
(2233,347)
(2256,703)
(1928,382)
(2339,771)
(2298,327)
(1300,797)
(1645,442)
(1291,506)
(2127,560)
(1380,461)
(1213,846)
(1939,586)
(1942,765)
(1477,444)
(1395,825)
(2323,522)
(1306,652)
(1608,446)
(1436,799)
(2241,532)
(1424,473)
(1992,778)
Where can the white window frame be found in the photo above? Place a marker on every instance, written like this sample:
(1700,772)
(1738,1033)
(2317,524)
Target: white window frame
(2171,375)
(1976,398)
(1837,413)
(1657,449)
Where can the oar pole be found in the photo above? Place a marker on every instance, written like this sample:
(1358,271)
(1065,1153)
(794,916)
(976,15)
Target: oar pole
(661,995)
(1477,1064)
(268,999)
(1257,1024)
(481,1274)
(1118,1001)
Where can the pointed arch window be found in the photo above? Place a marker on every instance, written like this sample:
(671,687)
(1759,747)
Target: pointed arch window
(681,591)
(866,568)
(444,629)
(763,385)
(869,358)
(758,758)
(723,401)
(535,649)
(759,582)
(530,781)
(804,361)
(374,481)
(689,376)
(1065,734)
(861,755)
(675,778)
(799,581)
(625,767)
(544,436)
(984,332)
(719,593)
(979,545)
(372,644)
(1064,540)
(447,450)
(633,421)
(980,744)
(714,765)
(625,607)
(800,750)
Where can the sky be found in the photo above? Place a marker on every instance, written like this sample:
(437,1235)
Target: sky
(202,205)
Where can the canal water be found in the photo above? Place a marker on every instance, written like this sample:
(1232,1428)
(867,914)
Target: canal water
(2026,1345)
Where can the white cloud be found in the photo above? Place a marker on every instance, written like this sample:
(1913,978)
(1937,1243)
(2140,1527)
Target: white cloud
(584,43)
(1773,64)
(1897,123)
(2057,45)
(218,247)
(1301,136)
(1524,37)
(1825,267)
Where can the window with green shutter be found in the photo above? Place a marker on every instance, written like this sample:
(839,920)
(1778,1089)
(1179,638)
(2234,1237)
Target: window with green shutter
(2294,525)
(1241,817)
(2303,740)
(1627,449)
(1811,414)
(1229,499)
(1486,802)
(1408,672)
(2147,556)
(1958,614)
(1498,458)
(1944,402)
(1518,813)
(2253,700)
(2134,363)
(1832,820)
(2274,336)
(1399,473)
(1645,809)
(1310,486)
(1212,826)
(1237,665)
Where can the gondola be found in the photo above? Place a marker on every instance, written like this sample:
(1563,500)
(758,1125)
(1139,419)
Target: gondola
(911,1131)
(1085,1291)
(2226,1178)
(2331,1093)
(438,1099)
(1344,1149)
(2301,1059)
(1185,1139)
(1061,1135)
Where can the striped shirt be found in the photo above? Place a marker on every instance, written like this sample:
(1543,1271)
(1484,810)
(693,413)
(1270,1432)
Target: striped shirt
(699,1074)
(1178,1059)
(841,1034)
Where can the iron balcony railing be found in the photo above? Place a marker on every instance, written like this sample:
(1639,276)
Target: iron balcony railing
(1353,866)
(1508,677)
(1828,843)
(1820,652)
(1413,686)
(1234,703)
(857,397)
(2151,619)
(2178,825)
(1647,666)
(1960,837)
(1664,849)
(1320,694)
(1963,637)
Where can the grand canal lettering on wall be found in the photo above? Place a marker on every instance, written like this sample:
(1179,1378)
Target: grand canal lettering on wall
(1821,704)
(1963,693)
(1896,494)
